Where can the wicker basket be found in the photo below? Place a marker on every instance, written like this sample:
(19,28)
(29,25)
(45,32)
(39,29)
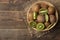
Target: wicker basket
(32,30)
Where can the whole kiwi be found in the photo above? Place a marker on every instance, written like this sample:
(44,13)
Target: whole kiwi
(47,24)
(36,8)
(30,16)
(40,18)
(44,5)
(52,18)
(51,10)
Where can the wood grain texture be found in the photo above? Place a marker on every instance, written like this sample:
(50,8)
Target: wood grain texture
(13,24)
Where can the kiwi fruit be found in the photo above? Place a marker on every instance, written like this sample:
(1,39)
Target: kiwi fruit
(36,8)
(52,18)
(44,5)
(47,24)
(30,16)
(51,10)
(40,18)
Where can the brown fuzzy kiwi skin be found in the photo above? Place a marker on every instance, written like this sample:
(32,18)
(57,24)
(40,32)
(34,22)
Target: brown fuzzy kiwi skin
(51,10)
(44,5)
(47,24)
(52,18)
(40,18)
(30,16)
(36,8)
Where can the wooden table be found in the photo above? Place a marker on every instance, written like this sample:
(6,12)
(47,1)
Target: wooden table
(13,24)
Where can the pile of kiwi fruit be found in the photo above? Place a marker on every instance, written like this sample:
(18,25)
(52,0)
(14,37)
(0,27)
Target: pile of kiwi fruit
(41,16)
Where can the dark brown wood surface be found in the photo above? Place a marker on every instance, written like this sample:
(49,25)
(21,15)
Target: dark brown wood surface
(13,24)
